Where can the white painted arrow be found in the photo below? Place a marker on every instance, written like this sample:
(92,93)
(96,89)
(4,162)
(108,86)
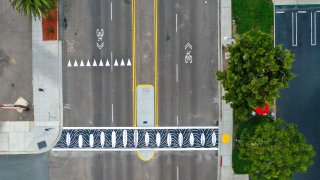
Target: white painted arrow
(88,63)
(75,63)
(128,63)
(107,63)
(69,64)
(101,63)
(116,63)
(94,63)
(81,63)
(122,63)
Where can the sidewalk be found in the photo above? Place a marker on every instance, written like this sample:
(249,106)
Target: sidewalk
(40,135)
(225,171)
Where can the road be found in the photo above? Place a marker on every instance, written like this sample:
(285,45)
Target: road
(97,96)
(121,165)
(188,92)
(91,91)
(300,103)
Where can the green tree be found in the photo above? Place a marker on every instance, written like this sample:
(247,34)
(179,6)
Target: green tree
(275,149)
(257,71)
(33,8)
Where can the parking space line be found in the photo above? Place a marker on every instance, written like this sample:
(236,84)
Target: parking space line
(279,12)
(294,29)
(302,12)
(313,23)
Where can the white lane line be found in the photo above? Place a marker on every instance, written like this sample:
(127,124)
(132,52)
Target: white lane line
(111,11)
(112,112)
(176,22)
(177,73)
(177,172)
(177,120)
(111,62)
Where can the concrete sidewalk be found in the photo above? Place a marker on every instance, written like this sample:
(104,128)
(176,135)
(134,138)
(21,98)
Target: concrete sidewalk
(225,171)
(40,135)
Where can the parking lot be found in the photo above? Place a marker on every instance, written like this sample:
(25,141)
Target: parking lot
(297,27)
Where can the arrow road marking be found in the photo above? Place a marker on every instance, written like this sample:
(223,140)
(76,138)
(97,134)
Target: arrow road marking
(122,63)
(101,63)
(88,63)
(75,63)
(94,63)
(128,63)
(116,63)
(81,63)
(69,64)
(107,63)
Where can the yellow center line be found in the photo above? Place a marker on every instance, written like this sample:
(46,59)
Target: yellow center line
(156,59)
(133,21)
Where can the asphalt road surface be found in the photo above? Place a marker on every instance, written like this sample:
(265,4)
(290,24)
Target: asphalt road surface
(126,165)
(188,92)
(91,91)
(97,96)
(300,103)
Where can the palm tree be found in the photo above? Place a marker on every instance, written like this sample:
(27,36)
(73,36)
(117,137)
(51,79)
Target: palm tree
(33,8)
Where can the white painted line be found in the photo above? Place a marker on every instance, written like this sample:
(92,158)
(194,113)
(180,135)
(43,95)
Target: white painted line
(112,112)
(313,23)
(111,11)
(177,172)
(177,120)
(294,29)
(94,62)
(302,11)
(116,63)
(177,73)
(280,12)
(107,63)
(69,63)
(129,62)
(111,62)
(176,22)
(122,63)
(101,63)
(75,63)
(88,63)
(318,11)
(81,63)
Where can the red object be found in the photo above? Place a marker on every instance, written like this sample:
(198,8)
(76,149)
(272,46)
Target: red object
(263,111)
(50,26)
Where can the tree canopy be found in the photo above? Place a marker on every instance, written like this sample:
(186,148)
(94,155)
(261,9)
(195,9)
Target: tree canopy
(275,149)
(33,8)
(257,71)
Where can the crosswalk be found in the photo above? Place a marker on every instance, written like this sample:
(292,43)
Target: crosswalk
(97,63)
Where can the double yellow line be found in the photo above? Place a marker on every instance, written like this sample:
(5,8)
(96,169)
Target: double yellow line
(133,21)
(133,15)
(155,15)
